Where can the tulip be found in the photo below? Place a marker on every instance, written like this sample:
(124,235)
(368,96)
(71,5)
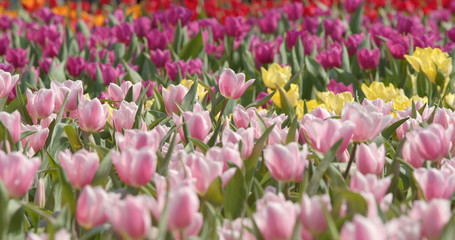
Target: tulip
(92,115)
(335,29)
(175,13)
(370,158)
(17,57)
(17,172)
(275,217)
(156,40)
(269,22)
(339,87)
(36,140)
(404,24)
(175,94)
(246,136)
(40,104)
(351,5)
(4,44)
(234,26)
(450,34)
(125,117)
(12,121)
(204,170)
(199,123)
(335,102)
(129,218)
(363,228)
(264,53)
(276,75)
(226,154)
(118,93)
(312,217)
(40,194)
(323,134)
(232,85)
(109,73)
(368,59)
(135,167)
(431,143)
(331,57)
(292,93)
(160,57)
(286,163)
(353,41)
(80,167)
(377,105)
(403,227)
(368,124)
(138,139)
(398,47)
(183,207)
(434,216)
(74,89)
(173,68)
(435,183)
(142,26)
(426,60)
(370,184)
(294,10)
(236,229)
(90,212)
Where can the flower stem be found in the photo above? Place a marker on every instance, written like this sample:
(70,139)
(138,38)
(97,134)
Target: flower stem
(351,159)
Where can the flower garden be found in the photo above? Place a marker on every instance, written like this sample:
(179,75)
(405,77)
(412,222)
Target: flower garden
(227,120)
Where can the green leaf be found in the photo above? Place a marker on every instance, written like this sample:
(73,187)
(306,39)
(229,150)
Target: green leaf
(178,37)
(286,105)
(200,144)
(82,27)
(448,232)
(132,75)
(58,119)
(67,190)
(57,73)
(262,101)
(73,138)
(28,80)
(319,75)
(388,132)
(3,211)
(188,100)
(235,196)
(192,48)
(322,168)
(103,170)
(214,193)
(354,201)
(292,131)
(356,21)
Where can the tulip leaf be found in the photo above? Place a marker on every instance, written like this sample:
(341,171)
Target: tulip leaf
(178,37)
(235,196)
(192,48)
(440,79)
(214,193)
(129,95)
(354,201)
(286,105)
(200,144)
(356,21)
(163,166)
(132,75)
(448,232)
(262,101)
(322,168)
(319,75)
(28,80)
(292,131)
(3,211)
(73,138)
(57,73)
(6,135)
(148,69)
(388,132)
(82,27)
(345,59)
(58,119)
(189,99)
(103,170)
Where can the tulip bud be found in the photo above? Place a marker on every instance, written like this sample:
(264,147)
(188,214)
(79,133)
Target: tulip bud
(370,158)
(40,194)
(92,115)
(183,207)
(41,103)
(135,167)
(17,172)
(232,85)
(90,211)
(286,163)
(7,83)
(80,167)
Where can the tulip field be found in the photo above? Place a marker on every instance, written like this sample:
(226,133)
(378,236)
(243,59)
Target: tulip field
(217,119)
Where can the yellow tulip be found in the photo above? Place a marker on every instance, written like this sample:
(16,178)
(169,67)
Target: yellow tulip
(276,74)
(335,102)
(450,100)
(200,89)
(400,103)
(427,59)
(311,105)
(378,90)
(293,95)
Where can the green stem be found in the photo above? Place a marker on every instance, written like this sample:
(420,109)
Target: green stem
(351,159)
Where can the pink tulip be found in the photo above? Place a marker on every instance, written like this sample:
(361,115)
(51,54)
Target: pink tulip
(227,154)
(431,143)
(246,136)
(129,217)
(17,172)
(243,117)
(40,194)
(125,116)
(90,211)
(323,134)
(286,163)
(137,139)
(434,216)
(7,83)
(204,171)
(232,85)
(174,95)
(370,158)
(403,228)
(275,217)
(236,229)
(92,115)
(370,184)
(135,167)
(183,207)
(40,104)
(36,140)
(12,122)
(368,124)
(118,93)
(312,217)
(74,89)
(199,123)
(377,105)
(411,155)
(363,228)
(80,167)
(435,183)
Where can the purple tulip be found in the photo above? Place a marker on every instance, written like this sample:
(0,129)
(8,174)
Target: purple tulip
(291,38)
(7,67)
(45,64)
(450,35)
(310,24)
(331,57)
(156,40)
(172,69)
(269,23)
(264,53)
(294,10)
(75,65)
(352,5)
(404,24)
(309,42)
(124,32)
(176,13)
(353,42)
(109,73)
(142,26)
(368,59)
(4,44)
(160,58)
(118,14)
(234,26)
(398,47)
(336,87)
(17,57)
(335,29)
(194,66)
(5,22)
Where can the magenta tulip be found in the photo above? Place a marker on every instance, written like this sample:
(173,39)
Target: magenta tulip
(368,59)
